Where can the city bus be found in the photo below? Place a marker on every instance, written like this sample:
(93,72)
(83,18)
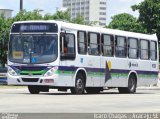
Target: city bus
(52,54)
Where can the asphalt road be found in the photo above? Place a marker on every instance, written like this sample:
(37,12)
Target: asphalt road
(20,101)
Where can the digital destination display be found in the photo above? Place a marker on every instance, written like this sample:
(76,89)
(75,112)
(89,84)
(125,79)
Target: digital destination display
(34,27)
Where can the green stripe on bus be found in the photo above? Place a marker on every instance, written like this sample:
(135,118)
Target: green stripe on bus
(95,74)
(33,72)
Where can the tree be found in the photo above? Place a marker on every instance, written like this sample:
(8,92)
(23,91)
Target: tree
(78,20)
(149,11)
(60,15)
(126,22)
(5,25)
(48,17)
(25,15)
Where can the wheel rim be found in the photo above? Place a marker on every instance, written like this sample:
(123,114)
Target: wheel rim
(79,85)
(132,84)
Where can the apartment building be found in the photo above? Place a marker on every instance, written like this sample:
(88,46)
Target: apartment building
(91,10)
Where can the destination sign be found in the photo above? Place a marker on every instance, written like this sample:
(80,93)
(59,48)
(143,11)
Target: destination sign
(34,27)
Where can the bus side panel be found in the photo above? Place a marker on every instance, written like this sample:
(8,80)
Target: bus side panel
(147,73)
(117,69)
(92,66)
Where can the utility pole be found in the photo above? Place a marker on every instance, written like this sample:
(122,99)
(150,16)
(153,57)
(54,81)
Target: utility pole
(21,5)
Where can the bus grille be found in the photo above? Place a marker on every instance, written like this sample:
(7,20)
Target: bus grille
(31,73)
(30,79)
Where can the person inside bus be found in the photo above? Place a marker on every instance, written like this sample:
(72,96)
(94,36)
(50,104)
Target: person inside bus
(65,47)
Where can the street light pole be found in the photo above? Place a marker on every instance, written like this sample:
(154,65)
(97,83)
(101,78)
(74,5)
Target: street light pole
(21,5)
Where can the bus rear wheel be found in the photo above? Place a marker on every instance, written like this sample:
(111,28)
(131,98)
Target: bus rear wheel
(79,85)
(93,90)
(34,89)
(132,85)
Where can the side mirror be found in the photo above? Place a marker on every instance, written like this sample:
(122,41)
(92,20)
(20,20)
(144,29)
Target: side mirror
(62,34)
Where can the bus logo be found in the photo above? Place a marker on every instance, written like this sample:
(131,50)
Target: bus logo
(30,74)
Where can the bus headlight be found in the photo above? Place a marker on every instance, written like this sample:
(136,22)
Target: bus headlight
(50,72)
(12,72)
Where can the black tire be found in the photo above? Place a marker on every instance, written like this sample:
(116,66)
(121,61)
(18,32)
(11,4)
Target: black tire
(132,85)
(34,89)
(93,90)
(79,85)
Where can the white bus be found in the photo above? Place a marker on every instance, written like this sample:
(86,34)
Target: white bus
(59,55)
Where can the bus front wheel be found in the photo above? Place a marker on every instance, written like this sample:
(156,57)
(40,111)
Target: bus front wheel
(34,89)
(132,85)
(79,85)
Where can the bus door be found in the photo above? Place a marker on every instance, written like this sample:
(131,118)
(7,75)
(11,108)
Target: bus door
(67,56)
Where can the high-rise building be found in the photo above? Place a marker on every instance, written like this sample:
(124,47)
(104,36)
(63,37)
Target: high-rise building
(6,12)
(91,10)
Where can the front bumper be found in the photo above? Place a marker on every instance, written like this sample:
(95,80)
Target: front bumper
(32,80)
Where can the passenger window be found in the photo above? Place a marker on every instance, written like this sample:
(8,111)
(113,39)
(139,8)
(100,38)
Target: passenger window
(133,48)
(144,49)
(94,44)
(67,46)
(120,46)
(153,50)
(82,42)
(107,45)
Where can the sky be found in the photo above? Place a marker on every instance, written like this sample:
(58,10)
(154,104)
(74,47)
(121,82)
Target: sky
(49,6)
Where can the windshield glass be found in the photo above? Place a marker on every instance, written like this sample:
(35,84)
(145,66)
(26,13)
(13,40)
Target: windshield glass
(33,49)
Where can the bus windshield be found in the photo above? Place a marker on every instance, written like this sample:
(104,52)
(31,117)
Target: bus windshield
(33,49)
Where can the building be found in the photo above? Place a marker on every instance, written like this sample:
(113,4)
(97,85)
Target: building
(6,12)
(91,10)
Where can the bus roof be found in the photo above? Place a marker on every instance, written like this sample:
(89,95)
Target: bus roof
(94,29)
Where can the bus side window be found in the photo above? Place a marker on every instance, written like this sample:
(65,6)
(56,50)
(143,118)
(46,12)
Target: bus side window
(82,42)
(107,45)
(121,50)
(133,48)
(94,44)
(144,51)
(153,50)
